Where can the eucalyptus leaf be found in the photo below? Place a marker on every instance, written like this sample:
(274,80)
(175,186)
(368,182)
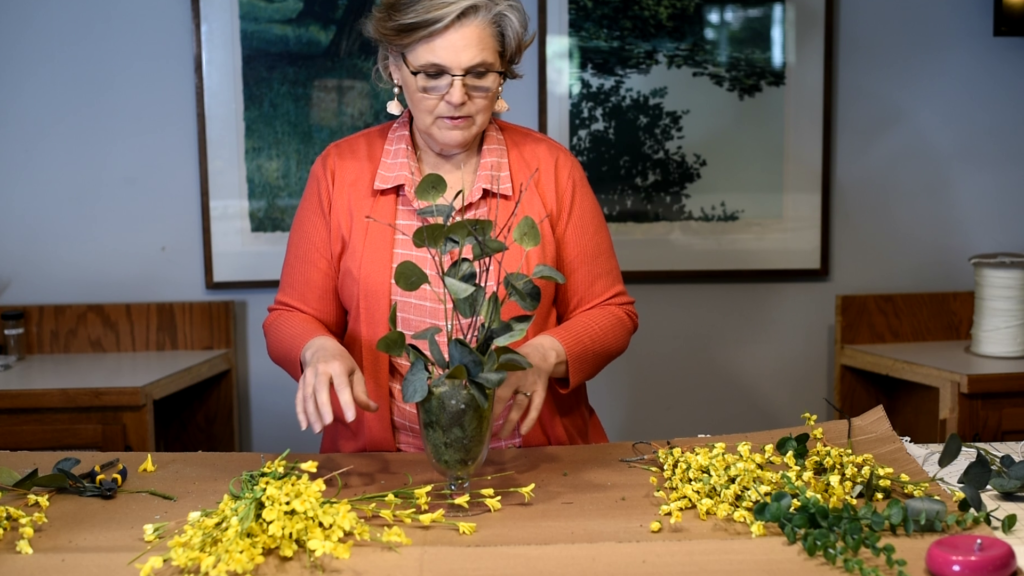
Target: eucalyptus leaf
(392,343)
(429,236)
(469,307)
(774,512)
(470,228)
(413,351)
(545,272)
(978,473)
(393,316)
(1016,471)
(973,497)
(761,511)
(426,333)
(409,276)
(951,450)
(488,247)
(443,211)
(51,481)
(69,463)
(925,511)
(436,353)
(458,289)
(73,479)
(460,352)
(414,385)
(25,482)
(8,477)
(1005,485)
(462,270)
(526,233)
(1006,461)
(456,372)
(491,311)
(518,326)
(513,362)
(1009,521)
(522,290)
(431,188)
(490,379)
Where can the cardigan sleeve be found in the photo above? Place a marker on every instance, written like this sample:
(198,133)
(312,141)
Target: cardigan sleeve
(596,316)
(307,303)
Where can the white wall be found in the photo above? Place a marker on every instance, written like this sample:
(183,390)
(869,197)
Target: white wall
(99,201)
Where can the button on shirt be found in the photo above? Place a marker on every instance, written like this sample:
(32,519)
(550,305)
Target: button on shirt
(399,171)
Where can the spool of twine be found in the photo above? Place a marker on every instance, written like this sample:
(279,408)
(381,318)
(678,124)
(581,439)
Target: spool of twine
(998,328)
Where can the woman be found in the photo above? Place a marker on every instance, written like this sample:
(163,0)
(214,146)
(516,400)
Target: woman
(450,59)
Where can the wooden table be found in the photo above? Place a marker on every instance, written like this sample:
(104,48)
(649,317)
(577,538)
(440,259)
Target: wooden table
(590,516)
(980,398)
(143,401)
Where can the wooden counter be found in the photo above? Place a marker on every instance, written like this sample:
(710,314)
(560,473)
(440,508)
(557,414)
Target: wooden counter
(590,516)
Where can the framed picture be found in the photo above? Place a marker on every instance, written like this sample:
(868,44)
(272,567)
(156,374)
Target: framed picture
(703,127)
(276,82)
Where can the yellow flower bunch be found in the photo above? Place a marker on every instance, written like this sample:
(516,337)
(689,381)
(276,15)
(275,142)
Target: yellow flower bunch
(12,518)
(279,507)
(729,484)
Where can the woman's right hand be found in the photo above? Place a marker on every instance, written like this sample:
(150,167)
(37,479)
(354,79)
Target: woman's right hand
(325,362)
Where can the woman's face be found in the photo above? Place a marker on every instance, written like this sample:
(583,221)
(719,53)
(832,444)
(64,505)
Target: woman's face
(451,123)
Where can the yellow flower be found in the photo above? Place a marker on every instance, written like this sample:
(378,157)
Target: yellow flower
(817,433)
(391,498)
(387,515)
(654,480)
(42,500)
(462,501)
(958,495)
(148,465)
(26,532)
(655,526)
(904,478)
(309,466)
(809,418)
(757,529)
(493,503)
(153,563)
(488,492)
(527,491)
(24,547)
(467,528)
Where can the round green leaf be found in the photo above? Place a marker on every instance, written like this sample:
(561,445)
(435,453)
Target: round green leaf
(490,379)
(469,307)
(460,352)
(517,328)
(526,233)
(1016,471)
(431,188)
(462,270)
(522,290)
(511,361)
(443,211)
(1005,485)
(392,343)
(393,316)
(458,289)
(488,247)
(951,450)
(1009,521)
(414,385)
(978,473)
(409,276)
(426,333)
(545,272)
(429,236)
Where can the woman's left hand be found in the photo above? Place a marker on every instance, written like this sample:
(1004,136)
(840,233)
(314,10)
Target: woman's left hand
(529,387)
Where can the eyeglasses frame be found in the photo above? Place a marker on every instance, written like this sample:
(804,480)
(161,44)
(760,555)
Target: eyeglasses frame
(416,73)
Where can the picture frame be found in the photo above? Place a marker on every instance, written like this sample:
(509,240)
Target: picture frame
(777,188)
(263,119)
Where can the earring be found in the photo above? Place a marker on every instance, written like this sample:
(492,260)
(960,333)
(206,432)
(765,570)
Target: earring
(395,107)
(500,105)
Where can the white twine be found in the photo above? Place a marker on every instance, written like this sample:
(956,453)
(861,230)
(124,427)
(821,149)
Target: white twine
(998,328)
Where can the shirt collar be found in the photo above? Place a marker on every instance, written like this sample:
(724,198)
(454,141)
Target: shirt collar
(399,169)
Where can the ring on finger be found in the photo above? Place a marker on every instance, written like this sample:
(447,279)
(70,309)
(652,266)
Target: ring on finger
(527,394)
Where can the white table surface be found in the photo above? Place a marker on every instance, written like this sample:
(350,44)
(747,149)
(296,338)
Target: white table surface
(949,355)
(100,370)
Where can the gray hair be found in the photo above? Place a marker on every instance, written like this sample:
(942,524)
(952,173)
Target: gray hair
(397,25)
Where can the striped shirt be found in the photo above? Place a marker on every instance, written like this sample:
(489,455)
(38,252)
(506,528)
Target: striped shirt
(421,309)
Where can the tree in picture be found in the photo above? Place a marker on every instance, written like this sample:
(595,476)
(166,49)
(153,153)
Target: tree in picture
(306,79)
(629,139)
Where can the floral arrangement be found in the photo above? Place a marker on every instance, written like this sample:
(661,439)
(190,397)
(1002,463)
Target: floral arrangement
(812,495)
(279,507)
(26,523)
(478,352)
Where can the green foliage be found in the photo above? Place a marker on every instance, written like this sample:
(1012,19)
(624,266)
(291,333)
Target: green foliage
(477,336)
(1002,473)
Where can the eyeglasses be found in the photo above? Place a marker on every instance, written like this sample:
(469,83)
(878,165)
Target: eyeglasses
(438,83)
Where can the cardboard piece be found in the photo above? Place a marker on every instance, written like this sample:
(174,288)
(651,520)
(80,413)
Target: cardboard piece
(590,515)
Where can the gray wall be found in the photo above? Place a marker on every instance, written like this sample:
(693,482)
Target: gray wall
(99,201)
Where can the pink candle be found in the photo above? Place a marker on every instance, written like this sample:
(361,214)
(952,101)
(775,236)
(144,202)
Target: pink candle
(970,555)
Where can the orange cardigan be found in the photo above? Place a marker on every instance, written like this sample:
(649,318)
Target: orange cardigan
(337,274)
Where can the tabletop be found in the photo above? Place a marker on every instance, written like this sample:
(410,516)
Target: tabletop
(590,515)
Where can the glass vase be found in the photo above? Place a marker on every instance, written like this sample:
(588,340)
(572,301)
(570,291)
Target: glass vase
(456,432)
